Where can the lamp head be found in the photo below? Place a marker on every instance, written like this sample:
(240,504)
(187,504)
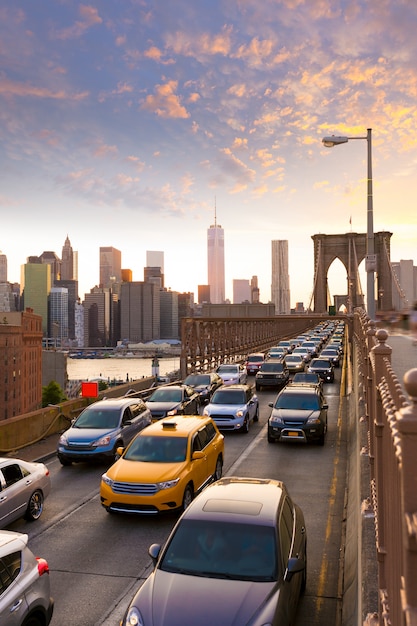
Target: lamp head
(329,142)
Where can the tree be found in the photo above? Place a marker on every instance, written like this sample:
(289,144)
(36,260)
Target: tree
(52,394)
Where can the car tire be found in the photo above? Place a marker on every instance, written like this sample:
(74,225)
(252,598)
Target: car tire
(35,506)
(219,469)
(64,461)
(304,572)
(258,387)
(245,427)
(33,620)
(270,439)
(256,418)
(187,497)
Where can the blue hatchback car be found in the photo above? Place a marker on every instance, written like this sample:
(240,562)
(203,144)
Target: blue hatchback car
(233,407)
(102,428)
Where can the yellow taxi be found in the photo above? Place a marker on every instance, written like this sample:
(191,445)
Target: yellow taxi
(164,466)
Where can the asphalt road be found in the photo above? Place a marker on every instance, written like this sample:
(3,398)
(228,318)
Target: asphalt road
(98,560)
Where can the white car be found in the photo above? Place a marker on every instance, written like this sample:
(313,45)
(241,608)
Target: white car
(232,373)
(23,489)
(25,596)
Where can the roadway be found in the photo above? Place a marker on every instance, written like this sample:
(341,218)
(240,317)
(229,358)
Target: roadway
(97,560)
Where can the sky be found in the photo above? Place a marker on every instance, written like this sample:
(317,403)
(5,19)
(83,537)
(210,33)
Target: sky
(129,124)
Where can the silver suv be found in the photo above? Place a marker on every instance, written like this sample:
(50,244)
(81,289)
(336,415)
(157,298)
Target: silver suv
(24,583)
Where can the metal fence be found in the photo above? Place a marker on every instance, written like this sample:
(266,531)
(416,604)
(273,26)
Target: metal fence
(391,448)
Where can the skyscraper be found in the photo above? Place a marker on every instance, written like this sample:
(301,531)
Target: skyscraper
(280,282)
(58,314)
(3,268)
(215,262)
(36,284)
(67,261)
(110,266)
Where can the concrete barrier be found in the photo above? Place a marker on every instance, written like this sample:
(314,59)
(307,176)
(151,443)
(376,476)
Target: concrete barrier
(24,430)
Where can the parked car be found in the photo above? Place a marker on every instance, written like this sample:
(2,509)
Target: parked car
(25,595)
(232,373)
(254,362)
(324,368)
(23,489)
(295,363)
(272,374)
(170,400)
(204,384)
(299,413)
(233,407)
(164,467)
(101,428)
(236,566)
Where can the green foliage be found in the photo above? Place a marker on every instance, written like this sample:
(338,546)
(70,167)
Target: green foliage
(52,394)
(102,385)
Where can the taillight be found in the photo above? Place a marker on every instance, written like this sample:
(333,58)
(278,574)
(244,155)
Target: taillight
(43,567)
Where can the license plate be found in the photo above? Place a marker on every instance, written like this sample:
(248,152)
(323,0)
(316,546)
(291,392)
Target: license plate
(292,433)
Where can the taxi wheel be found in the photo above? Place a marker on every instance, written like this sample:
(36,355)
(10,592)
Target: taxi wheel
(188,497)
(219,469)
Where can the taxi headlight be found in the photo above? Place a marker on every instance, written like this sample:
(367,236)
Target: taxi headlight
(167,484)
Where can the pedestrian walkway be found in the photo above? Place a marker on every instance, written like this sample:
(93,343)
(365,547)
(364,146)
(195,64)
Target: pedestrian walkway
(404,355)
(404,358)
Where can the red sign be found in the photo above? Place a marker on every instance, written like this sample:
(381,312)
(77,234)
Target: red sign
(89,390)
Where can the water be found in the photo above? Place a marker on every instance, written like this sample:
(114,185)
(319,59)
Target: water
(126,369)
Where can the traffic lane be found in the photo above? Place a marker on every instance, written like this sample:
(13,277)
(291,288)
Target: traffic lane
(94,558)
(316,478)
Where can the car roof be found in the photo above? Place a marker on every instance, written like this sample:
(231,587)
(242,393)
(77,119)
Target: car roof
(238,386)
(176,425)
(292,389)
(11,541)
(239,499)
(114,402)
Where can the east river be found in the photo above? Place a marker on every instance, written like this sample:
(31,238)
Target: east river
(115,368)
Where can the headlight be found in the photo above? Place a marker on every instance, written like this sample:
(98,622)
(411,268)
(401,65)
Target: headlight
(240,413)
(63,440)
(314,419)
(107,481)
(134,618)
(104,441)
(206,411)
(275,419)
(167,484)
(259,375)
(172,412)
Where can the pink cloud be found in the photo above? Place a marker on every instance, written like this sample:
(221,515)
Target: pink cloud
(165,102)
(9,87)
(89,18)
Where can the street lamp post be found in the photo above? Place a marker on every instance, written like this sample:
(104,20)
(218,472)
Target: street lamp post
(370,262)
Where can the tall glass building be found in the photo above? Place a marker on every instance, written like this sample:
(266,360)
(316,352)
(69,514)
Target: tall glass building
(215,263)
(280,281)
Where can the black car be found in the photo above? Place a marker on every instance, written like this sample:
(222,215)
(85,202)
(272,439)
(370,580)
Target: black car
(173,400)
(324,368)
(332,354)
(299,414)
(272,374)
(204,384)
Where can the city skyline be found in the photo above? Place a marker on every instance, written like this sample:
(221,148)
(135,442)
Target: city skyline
(124,124)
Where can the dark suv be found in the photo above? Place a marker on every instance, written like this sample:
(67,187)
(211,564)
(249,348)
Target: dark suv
(298,414)
(272,374)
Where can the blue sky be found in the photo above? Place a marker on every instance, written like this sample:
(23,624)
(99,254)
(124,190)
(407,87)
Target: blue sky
(124,123)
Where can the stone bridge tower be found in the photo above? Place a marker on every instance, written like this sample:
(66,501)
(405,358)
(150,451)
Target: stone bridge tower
(350,249)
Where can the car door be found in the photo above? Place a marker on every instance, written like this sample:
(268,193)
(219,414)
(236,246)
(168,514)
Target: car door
(252,403)
(199,466)
(190,402)
(129,425)
(15,492)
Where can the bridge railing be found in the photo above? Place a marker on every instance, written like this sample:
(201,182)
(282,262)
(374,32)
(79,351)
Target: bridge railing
(392,452)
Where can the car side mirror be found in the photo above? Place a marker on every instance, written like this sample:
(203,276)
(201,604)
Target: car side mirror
(197,454)
(294,566)
(271,404)
(154,551)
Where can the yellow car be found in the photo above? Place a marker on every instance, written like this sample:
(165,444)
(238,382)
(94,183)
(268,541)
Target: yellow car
(164,466)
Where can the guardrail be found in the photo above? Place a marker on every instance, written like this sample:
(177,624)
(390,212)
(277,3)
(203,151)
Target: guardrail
(391,449)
